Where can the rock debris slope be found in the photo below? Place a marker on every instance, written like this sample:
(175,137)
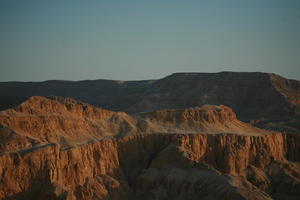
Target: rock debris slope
(60,148)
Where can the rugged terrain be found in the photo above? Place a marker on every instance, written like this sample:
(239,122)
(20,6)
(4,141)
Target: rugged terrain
(266,100)
(43,120)
(60,148)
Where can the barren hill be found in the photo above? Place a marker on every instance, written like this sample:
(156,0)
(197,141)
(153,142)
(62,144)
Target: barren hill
(205,119)
(269,100)
(251,95)
(40,120)
(44,120)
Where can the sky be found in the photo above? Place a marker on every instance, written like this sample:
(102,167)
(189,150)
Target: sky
(146,39)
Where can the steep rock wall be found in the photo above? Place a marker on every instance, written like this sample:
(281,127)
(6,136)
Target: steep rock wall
(109,168)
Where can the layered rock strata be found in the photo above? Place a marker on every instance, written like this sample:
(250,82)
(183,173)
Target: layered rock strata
(157,166)
(57,148)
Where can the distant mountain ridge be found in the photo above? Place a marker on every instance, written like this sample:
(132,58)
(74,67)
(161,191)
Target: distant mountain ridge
(253,95)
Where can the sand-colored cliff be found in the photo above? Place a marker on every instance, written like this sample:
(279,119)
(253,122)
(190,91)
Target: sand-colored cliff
(56,148)
(156,166)
(42,120)
(205,119)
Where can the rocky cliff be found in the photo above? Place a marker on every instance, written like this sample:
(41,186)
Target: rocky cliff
(60,148)
(157,166)
(205,119)
(42,120)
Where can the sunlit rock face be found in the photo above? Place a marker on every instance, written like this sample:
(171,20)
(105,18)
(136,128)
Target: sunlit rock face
(57,148)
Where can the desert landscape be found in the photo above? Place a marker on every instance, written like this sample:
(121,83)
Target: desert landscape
(150,100)
(187,136)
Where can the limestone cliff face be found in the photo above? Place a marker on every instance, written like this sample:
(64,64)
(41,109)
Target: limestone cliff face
(207,113)
(49,172)
(204,119)
(156,166)
(57,148)
(41,120)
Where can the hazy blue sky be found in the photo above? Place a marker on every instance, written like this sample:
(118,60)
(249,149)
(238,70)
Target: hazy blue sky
(145,39)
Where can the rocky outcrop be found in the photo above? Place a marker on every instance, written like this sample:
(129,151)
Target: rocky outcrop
(41,120)
(208,113)
(205,119)
(68,122)
(51,173)
(156,166)
(60,148)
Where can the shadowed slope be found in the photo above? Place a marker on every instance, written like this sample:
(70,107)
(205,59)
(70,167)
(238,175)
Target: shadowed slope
(252,95)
